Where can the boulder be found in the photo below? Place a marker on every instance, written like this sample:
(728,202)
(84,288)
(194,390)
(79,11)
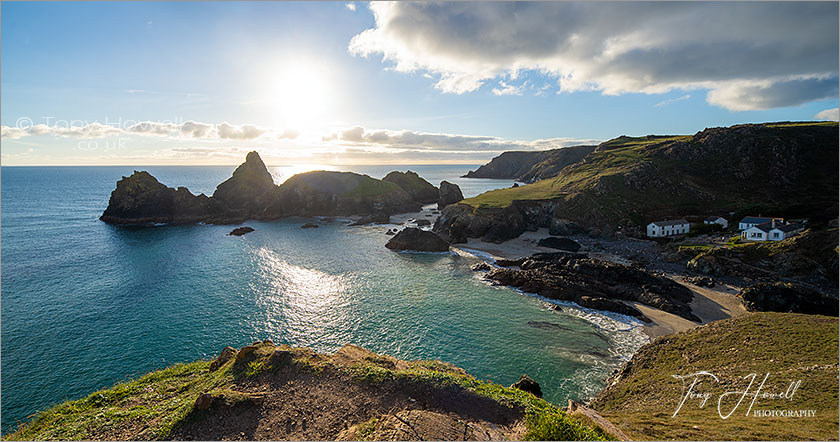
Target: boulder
(564,227)
(449,194)
(787,297)
(309,226)
(559,244)
(226,355)
(529,385)
(239,231)
(705,265)
(204,401)
(419,189)
(423,222)
(417,240)
(700,281)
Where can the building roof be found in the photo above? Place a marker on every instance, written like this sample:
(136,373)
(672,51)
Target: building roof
(715,218)
(758,219)
(788,227)
(674,222)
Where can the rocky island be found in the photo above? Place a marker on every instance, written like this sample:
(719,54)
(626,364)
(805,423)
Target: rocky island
(252,194)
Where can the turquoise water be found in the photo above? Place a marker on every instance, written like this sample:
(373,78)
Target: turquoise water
(86,304)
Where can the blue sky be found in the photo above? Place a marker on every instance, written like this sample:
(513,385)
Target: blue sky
(203,82)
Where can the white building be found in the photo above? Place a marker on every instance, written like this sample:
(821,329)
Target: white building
(717,220)
(752,221)
(659,229)
(771,231)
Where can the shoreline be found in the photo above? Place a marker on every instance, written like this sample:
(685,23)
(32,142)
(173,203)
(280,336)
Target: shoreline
(709,304)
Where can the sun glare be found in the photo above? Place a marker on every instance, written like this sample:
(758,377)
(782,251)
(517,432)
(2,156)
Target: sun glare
(300,95)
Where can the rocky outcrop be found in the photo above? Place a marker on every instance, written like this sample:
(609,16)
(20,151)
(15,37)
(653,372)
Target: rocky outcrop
(553,242)
(449,194)
(141,199)
(417,240)
(251,194)
(787,297)
(239,231)
(419,189)
(244,190)
(457,222)
(526,383)
(594,284)
(530,166)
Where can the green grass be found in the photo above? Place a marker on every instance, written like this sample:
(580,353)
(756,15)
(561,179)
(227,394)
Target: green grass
(152,406)
(788,346)
(369,187)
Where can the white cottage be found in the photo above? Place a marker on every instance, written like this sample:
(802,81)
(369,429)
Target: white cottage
(658,229)
(752,221)
(717,220)
(772,231)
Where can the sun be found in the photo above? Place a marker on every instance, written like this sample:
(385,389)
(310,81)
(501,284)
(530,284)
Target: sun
(300,95)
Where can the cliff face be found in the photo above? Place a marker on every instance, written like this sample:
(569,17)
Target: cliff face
(269,392)
(528,167)
(251,194)
(789,168)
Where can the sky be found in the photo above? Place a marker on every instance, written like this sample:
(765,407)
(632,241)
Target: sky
(341,83)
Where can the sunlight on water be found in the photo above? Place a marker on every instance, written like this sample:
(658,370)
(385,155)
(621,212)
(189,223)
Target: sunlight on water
(300,302)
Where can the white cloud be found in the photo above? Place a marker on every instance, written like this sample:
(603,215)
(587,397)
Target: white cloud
(189,129)
(509,89)
(749,55)
(407,140)
(828,114)
(672,100)
(351,6)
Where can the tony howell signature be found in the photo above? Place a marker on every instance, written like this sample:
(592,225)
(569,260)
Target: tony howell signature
(739,396)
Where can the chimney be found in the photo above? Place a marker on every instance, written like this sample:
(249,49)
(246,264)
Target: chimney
(773,223)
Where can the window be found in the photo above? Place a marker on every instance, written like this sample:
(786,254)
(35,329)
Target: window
(775,234)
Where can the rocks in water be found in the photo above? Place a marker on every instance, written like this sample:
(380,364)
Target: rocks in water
(250,181)
(376,218)
(419,189)
(423,222)
(250,193)
(595,284)
(564,227)
(700,281)
(391,232)
(527,384)
(559,244)
(309,226)
(239,231)
(417,240)
(449,194)
(787,297)
(226,355)
(481,267)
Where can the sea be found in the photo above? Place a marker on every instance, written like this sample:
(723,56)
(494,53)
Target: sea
(86,305)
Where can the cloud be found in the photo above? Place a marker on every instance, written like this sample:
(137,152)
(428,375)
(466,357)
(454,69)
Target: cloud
(189,129)
(509,89)
(407,140)
(672,100)
(351,6)
(749,55)
(828,114)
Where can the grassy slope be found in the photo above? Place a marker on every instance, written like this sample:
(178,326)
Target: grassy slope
(788,346)
(693,184)
(153,406)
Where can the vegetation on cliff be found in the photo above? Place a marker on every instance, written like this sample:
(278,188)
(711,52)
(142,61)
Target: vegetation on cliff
(644,395)
(628,181)
(270,392)
(531,166)
(419,189)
